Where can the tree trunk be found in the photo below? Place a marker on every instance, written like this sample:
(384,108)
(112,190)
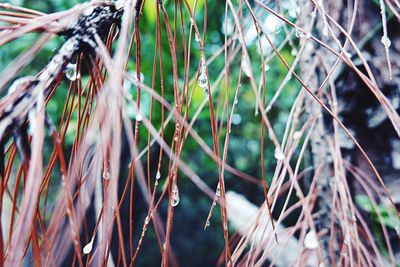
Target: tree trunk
(342,171)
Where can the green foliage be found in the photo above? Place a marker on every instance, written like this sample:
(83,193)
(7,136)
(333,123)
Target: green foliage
(380,213)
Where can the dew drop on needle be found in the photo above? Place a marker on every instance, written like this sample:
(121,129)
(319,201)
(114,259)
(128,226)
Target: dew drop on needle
(203,79)
(299,33)
(139,117)
(218,192)
(175,196)
(311,240)
(386,41)
(70,72)
(279,154)
(106,175)
(88,248)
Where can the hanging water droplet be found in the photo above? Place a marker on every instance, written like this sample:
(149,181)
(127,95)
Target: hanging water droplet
(70,72)
(278,154)
(297,135)
(246,66)
(158,175)
(175,196)
(175,188)
(147,220)
(196,38)
(218,192)
(293,52)
(207,224)
(88,248)
(299,34)
(203,80)
(311,240)
(235,101)
(106,175)
(139,117)
(386,41)
(175,200)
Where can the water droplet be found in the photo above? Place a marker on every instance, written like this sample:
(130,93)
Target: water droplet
(70,72)
(246,66)
(175,196)
(278,154)
(235,101)
(196,38)
(203,80)
(207,224)
(139,117)
(311,240)
(297,135)
(175,188)
(158,175)
(88,248)
(386,41)
(293,52)
(299,33)
(218,192)
(147,220)
(106,175)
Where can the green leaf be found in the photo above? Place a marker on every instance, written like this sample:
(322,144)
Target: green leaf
(387,216)
(365,203)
